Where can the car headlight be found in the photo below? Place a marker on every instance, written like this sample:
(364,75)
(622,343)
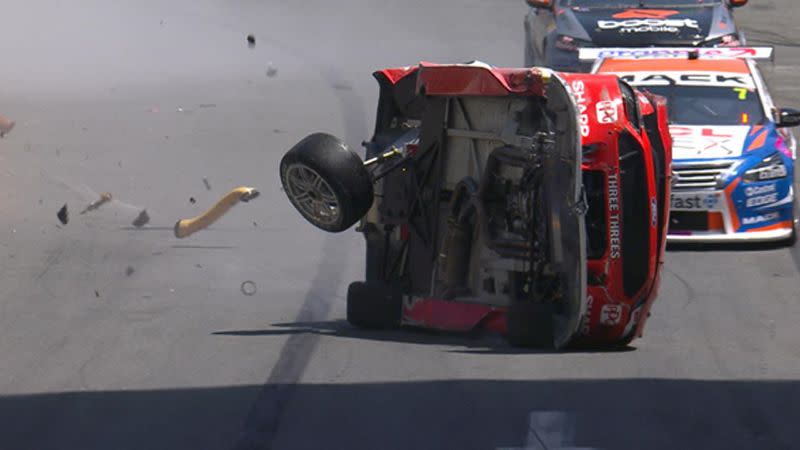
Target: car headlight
(729,40)
(771,168)
(570,44)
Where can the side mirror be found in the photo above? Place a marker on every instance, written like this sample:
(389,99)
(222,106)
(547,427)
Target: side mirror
(788,117)
(546,4)
(737,3)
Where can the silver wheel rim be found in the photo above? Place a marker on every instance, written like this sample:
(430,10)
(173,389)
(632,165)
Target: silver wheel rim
(312,195)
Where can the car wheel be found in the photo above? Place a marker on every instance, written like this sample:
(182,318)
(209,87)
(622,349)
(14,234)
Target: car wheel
(792,240)
(373,305)
(530,324)
(326,182)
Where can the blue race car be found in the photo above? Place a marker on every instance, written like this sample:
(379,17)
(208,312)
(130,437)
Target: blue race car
(733,153)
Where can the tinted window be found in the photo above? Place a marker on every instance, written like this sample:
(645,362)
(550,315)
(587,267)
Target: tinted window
(635,215)
(696,105)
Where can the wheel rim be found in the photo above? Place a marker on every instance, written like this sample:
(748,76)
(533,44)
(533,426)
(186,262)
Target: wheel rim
(312,195)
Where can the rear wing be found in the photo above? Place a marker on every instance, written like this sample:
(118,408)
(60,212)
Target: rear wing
(597,54)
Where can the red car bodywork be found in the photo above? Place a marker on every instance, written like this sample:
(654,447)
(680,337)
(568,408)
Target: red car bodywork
(616,312)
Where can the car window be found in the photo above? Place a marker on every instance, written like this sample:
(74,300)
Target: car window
(700,105)
(635,3)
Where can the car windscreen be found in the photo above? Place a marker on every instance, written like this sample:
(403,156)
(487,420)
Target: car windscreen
(635,3)
(703,105)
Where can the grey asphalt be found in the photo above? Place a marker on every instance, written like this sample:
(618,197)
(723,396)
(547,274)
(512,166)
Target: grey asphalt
(113,337)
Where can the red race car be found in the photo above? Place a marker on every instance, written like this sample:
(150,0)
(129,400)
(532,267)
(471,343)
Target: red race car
(524,201)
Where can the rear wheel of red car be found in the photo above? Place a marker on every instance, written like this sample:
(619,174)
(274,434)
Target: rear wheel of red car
(326,182)
(373,305)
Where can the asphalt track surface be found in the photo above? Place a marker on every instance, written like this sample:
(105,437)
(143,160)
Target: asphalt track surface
(113,337)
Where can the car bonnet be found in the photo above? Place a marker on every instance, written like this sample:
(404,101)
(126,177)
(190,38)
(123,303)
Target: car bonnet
(633,27)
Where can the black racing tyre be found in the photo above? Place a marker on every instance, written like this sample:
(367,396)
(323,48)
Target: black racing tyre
(326,182)
(530,324)
(791,240)
(373,305)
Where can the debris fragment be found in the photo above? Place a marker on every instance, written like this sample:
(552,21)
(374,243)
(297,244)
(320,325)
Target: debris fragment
(251,41)
(142,219)
(206,183)
(63,215)
(5,126)
(187,227)
(271,70)
(192,200)
(129,271)
(105,197)
(207,105)
(96,293)
(342,87)
(248,288)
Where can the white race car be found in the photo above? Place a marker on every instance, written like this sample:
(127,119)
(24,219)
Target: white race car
(733,154)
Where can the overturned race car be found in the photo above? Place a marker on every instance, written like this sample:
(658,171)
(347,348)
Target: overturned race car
(524,201)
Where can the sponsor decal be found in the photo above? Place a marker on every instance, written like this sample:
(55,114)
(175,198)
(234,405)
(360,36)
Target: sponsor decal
(587,319)
(719,79)
(760,218)
(761,200)
(615,239)
(645,14)
(610,315)
(653,212)
(692,142)
(588,54)
(607,112)
(634,319)
(695,202)
(751,191)
(648,25)
(579,91)
(768,173)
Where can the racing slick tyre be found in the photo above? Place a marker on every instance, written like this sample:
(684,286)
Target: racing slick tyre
(530,324)
(326,182)
(373,305)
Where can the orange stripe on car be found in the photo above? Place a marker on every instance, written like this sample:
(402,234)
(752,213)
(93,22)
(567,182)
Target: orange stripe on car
(758,142)
(731,207)
(756,129)
(775,226)
(715,222)
(674,65)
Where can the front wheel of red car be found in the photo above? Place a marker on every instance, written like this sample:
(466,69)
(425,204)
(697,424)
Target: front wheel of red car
(326,182)
(373,305)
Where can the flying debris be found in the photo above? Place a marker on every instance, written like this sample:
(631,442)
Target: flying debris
(105,197)
(63,215)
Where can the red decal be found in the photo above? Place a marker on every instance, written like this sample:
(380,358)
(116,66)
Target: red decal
(709,132)
(645,14)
